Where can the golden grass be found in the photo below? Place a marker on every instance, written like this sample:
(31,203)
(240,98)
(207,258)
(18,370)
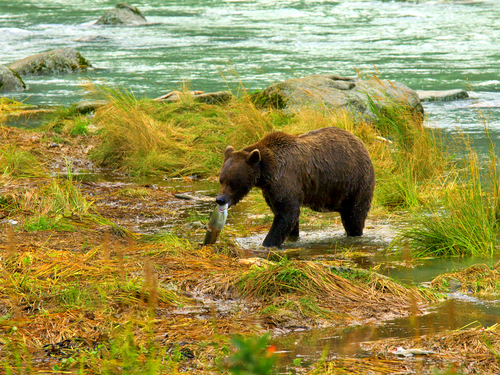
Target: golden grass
(473,349)
(478,279)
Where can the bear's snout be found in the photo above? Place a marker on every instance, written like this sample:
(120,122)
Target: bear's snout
(221,199)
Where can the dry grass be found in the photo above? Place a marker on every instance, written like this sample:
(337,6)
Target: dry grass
(478,279)
(464,351)
(318,294)
(55,298)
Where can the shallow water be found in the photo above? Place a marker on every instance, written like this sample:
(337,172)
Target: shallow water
(457,312)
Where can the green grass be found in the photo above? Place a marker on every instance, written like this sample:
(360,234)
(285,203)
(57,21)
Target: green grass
(66,121)
(411,160)
(132,192)
(44,223)
(184,138)
(18,163)
(80,126)
(464,222)
(254,355)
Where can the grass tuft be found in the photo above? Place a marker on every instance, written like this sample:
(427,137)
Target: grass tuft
(18,163)
(466,220)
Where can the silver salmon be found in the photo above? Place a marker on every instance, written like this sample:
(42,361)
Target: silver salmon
(215,224)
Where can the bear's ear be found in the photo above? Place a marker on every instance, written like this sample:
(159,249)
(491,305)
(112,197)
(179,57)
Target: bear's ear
(228,152)
(253,157)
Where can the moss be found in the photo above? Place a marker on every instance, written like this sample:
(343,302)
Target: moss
(83,63)
(18,76)
(265,99)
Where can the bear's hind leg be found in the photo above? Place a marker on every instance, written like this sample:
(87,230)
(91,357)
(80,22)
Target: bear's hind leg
(353,218)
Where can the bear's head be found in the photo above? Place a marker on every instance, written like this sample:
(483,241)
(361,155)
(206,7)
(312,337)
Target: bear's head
(238,175)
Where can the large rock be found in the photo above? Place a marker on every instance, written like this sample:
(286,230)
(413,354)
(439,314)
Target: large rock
(62,60)
(336,93)
(10,81)
(123,14)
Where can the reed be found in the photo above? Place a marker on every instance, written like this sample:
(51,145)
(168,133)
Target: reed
(465,221)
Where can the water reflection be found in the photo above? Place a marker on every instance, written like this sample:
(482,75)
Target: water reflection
(457,312)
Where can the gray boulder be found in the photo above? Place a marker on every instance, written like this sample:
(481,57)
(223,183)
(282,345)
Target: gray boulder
(62,60)
(331,92)
(122,14)
(10,81)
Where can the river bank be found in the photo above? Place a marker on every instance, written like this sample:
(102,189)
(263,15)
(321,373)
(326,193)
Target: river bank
(97,258)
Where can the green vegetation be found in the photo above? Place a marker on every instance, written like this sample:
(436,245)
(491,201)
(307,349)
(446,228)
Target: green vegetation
(465,220)
(47,223)
(185,138)
(316,290)
(79,295)
(66,121)
(477,279)
(10,105)
(18,163)
(454,208)
(255,356)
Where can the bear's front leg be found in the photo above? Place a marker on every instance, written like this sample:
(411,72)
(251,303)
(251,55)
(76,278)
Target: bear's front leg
(283,224)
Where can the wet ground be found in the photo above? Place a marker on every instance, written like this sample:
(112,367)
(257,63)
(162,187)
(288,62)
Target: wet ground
(182,206)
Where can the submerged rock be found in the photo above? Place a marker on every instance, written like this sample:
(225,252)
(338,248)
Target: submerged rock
(92,39)
(62,60)
(199,96)
(122,14)
(442,96)
(336,93)
(10,80)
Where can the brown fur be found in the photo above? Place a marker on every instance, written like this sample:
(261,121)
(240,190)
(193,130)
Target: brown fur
(327,169)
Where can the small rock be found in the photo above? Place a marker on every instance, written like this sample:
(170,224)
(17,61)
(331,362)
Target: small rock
(454,284)
(442,96)
(199,96)
(123,14)
(86,107)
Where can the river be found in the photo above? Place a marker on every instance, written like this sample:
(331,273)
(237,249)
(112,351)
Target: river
(217,45)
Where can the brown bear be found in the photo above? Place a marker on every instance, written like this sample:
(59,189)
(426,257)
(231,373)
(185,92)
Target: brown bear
(326,169)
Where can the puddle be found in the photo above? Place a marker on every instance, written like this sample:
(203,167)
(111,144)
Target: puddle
(457,312)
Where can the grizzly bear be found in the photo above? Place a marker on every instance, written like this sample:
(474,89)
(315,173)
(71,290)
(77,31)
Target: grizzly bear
(326,169)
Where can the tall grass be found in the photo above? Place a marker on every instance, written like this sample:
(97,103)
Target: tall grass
(411,162)
(183,138)
(465,221)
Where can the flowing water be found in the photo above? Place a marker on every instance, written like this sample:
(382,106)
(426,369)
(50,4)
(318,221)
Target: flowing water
(219,45)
